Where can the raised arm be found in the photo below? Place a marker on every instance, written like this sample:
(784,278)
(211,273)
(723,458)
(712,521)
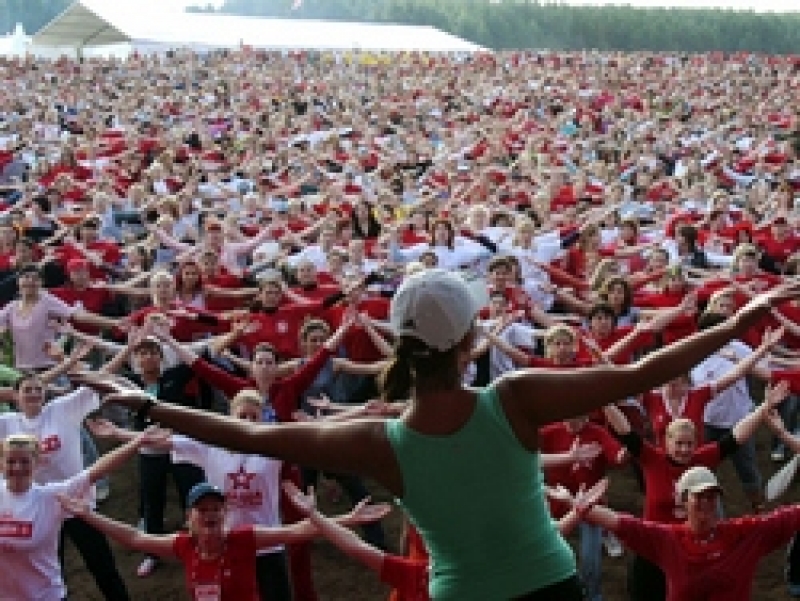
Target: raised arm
(77,354)
(746,365)
(773,396)
(775,422)
(524,392)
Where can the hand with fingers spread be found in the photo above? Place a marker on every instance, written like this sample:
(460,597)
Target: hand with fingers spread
(559,493)
(775,422)
(102,428)
(306,503)
(321,403)
(763,302)
(770,338)
(76,507)
(155,437)
(580,453)
(366,511)
(585,499)
(775,394)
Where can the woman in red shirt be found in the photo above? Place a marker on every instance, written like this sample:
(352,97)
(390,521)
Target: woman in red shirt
(219,565)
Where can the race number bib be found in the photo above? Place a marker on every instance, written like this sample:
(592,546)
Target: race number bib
(207,592)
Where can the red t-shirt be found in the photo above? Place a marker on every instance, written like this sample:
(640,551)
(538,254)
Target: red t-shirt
(719,569)
(408,577)
(692,408)
(558,438)
(93,299)
(357,343)
(779,251)
(661,475)
(109,252)
(281,328)
(229,578)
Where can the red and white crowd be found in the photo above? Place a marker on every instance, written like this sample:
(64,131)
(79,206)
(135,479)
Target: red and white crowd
(225,230)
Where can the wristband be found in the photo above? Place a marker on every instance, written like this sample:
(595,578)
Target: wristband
(143,413)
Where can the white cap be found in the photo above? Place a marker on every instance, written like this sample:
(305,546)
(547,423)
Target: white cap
(696,480)
(435,306)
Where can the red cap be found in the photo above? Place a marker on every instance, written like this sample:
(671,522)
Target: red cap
(76,265)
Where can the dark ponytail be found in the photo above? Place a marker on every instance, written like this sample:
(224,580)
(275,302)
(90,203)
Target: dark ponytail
(417,366)
(395,381)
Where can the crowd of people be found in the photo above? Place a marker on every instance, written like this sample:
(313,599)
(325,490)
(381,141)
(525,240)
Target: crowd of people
(481,282)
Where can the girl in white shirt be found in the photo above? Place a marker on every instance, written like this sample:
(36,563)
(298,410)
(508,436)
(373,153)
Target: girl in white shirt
(32,516)
(452,252)
(56,426)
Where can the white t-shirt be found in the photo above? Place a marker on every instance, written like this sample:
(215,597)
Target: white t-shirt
(732,405)
(251,482)
(58,429)
(30,524)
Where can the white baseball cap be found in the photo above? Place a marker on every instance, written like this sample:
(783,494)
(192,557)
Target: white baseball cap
(696,480)
(435,306)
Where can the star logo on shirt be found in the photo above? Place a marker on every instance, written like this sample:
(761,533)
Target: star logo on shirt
(241,479)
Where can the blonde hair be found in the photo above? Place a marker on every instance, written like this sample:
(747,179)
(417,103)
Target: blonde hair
(161,274)
(27,442)
(745,249)
(681,425)
(248,396)
(719,294)
(559,330)
(602,271)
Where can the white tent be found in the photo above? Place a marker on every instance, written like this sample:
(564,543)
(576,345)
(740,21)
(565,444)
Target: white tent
(16,43)
(146,25)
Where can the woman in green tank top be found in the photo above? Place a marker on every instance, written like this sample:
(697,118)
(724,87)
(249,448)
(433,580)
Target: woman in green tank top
(463,462)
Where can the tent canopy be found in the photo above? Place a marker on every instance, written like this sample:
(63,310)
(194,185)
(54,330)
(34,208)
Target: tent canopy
(90,23)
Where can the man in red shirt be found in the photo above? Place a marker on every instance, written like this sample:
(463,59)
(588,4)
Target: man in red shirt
(99,253)
(79,292)
(704,558)
(778,245)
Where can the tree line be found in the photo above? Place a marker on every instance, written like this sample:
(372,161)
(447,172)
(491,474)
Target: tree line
(518,24)
(515,24)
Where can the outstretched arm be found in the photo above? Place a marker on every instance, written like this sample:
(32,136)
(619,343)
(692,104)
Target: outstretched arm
(525,392)
(346,540)
(115,459)
(127,536)
(360,446)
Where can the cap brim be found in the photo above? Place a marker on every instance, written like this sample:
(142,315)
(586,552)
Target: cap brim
(699,488)
(210,493)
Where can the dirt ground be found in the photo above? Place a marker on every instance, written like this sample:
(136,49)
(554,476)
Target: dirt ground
(339,579)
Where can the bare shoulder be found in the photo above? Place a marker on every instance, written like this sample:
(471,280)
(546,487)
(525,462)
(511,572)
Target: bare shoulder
(376,453)
(516,401)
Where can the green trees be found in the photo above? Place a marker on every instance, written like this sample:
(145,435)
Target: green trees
(513,24)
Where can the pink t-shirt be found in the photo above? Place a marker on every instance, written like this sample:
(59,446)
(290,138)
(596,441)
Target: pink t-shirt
(33,331)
